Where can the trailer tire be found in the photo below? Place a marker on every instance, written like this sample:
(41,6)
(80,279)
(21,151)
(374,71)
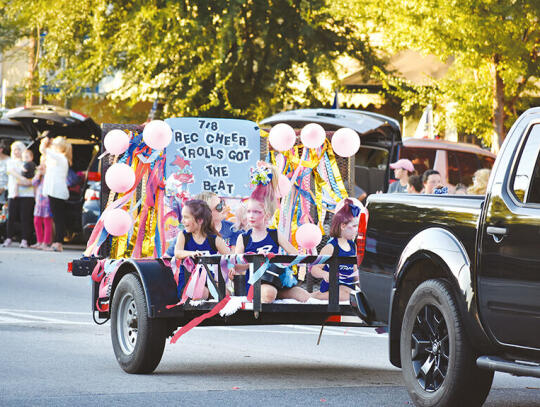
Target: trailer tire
(138,341)
(438,362)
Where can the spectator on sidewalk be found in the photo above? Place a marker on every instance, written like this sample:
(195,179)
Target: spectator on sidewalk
(20,197)
(4,157)
(58,156)
(42,211)
(415,185)
(431,180)
(403,169)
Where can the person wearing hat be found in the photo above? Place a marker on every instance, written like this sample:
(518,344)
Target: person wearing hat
(403,168)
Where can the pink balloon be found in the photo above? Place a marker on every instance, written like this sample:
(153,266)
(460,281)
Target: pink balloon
(120,177)
(308,236)
(345,142)
(117,222)
(284,185)
(157,134)
(312,135)
(116,142)
(282,137)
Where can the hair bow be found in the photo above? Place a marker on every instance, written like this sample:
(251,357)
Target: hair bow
(261,175)
(355,210)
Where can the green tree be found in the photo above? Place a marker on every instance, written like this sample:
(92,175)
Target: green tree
(493,47)
(230,58)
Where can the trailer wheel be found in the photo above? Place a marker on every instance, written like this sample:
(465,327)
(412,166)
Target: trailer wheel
(138,341)
(438,362)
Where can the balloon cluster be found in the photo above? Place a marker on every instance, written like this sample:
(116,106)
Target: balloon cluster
(120,177)
(345,141)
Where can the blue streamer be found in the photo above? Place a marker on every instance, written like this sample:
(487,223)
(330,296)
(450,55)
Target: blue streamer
(259,272)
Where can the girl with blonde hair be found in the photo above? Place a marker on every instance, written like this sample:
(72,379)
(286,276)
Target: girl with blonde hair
(58,157)
(480,181)
(20,197)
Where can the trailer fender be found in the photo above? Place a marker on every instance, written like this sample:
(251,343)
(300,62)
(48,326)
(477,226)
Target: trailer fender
(158,283)
(434,253)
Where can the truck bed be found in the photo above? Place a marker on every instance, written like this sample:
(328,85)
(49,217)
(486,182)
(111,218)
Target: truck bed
(393,220)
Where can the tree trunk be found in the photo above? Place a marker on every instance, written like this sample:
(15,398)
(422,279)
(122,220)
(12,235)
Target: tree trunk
(498,107)
(31,97)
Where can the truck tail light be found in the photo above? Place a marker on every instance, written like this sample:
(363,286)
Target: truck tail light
(70,267)
(361,237)
(93,176)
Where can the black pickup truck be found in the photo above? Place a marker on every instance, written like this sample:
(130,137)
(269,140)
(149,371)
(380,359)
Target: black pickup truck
(457,278)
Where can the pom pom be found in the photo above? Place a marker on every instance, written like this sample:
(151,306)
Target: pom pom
(116,142)
(157,134)
(282,137)
(120,177)
(287,278)
(312,135)
(345,142)
(308,236)
(261,175)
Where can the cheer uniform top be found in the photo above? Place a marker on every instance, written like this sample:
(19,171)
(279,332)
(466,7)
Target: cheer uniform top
(346,271)
(267,245)
(228,234)
(206,248)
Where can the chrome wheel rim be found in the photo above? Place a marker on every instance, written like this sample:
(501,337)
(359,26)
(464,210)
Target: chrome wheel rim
(430,350)
(127,324)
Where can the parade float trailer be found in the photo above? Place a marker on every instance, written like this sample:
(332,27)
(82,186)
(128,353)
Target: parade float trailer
(135,285)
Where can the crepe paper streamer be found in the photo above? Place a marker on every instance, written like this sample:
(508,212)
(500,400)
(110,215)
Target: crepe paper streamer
(194,322)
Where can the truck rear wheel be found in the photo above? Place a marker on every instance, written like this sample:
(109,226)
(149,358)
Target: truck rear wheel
(138,341)
(438,363)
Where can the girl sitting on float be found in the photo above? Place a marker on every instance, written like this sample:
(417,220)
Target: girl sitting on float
(261,205)
(199,237)
(343,231)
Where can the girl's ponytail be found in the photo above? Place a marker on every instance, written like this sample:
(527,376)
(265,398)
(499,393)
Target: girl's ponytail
(265,179)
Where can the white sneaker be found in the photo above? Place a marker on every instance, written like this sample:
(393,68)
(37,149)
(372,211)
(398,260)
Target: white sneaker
(24,244)
(6,243)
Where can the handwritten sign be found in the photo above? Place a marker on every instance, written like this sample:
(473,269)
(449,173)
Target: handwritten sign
(213,155)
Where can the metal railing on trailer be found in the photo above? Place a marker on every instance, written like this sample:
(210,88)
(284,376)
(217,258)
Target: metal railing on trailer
(160,292)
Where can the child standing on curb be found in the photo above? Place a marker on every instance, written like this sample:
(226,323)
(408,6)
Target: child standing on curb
(42,211)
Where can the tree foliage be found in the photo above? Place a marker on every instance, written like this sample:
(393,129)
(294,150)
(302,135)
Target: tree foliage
(493,46)
(231,58)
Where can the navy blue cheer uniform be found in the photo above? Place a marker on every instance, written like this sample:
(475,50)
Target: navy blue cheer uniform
(206,248)
(228,234)
(346,271)
(268,245)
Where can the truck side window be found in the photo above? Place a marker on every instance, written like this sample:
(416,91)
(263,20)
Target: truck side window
(526,180)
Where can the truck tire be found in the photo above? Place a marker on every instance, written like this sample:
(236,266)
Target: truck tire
(438,362)
(138,341)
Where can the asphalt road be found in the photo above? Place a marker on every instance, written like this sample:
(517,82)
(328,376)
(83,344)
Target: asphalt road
(52,354)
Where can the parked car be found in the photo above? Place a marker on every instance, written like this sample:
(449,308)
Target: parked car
(457,162)
(29,123)
(457,278)
(381,144)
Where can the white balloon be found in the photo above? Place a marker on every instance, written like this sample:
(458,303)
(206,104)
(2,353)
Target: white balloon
(157,134)
(312,135)
(345,142)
